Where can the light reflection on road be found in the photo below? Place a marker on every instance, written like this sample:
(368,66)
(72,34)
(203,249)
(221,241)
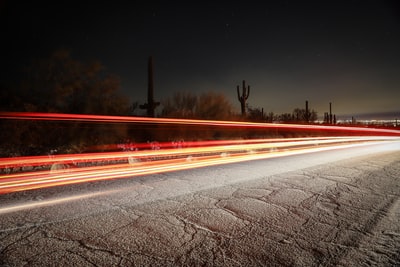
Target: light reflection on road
(58,200)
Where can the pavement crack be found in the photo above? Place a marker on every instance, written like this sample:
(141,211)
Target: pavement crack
(201,227)
(24,236)
(87,246)
(87,261)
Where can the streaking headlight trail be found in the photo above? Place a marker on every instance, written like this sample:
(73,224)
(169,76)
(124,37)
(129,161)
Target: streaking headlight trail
(87,167)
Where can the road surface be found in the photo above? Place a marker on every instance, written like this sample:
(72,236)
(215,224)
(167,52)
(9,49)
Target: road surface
(331,208)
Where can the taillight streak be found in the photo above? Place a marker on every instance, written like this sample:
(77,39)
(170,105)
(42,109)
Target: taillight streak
(26,181)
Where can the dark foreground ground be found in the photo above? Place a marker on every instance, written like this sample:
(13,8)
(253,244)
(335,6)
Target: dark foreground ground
(322,209)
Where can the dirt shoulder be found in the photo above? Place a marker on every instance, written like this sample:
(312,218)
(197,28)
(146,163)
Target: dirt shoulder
(343,213)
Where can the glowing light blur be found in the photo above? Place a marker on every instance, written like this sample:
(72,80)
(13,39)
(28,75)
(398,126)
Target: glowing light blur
(161,161)
(42,203)
(197,147)
(86,167)
(126,119)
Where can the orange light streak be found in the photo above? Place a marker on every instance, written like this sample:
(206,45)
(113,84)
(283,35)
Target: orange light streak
(193,154)
(197,147)
(238,153)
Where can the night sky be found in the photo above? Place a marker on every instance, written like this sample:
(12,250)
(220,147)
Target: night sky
(344,52)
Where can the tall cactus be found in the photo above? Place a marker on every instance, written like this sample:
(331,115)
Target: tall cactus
(151,105)
(307,113)
(242,98)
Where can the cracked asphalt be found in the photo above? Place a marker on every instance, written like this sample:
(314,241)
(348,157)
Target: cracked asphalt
(335,208)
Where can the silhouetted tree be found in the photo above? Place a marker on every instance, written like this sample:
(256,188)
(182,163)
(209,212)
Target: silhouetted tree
(271,117)
(180,105)
(213,106)
(133,107)
(286,117)
(255,114)
(298,116)
(63,85)
(301,115)
(208,105)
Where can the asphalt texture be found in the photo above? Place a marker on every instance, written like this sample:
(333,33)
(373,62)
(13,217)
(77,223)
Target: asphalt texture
(334,208)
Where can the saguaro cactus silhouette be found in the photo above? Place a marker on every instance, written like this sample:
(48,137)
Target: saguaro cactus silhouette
(307,113)
(242,98)
(151,105)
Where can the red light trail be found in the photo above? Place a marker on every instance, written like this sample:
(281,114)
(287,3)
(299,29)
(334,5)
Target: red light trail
(182,159)
(195,154)
(126,119)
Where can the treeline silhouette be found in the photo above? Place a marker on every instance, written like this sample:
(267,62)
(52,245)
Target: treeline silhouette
(61,84)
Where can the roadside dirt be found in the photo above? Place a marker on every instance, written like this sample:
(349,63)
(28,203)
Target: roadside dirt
(345,213)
